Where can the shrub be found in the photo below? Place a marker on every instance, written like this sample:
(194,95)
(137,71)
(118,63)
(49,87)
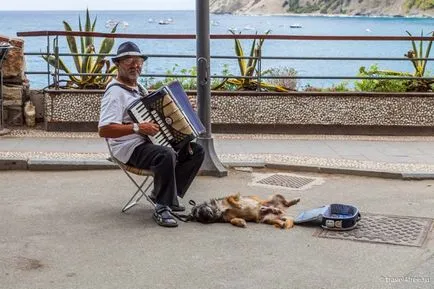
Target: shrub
(287,83)
(339,87)
(189,83)
(380,85)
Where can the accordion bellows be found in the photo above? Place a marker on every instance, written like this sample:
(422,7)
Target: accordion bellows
(174,116)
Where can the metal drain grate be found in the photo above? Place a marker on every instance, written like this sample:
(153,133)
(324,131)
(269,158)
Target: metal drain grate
(286,180)
(396,230)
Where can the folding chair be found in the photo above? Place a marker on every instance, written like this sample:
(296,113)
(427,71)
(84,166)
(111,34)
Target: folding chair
(129,170)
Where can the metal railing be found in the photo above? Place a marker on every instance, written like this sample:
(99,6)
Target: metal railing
(56,74)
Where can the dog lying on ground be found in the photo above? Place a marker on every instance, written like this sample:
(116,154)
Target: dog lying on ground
(238,210)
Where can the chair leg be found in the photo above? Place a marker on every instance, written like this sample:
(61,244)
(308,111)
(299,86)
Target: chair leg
(132,202)
(138,194)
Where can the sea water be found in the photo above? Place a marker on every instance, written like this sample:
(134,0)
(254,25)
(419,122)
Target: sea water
(184,22)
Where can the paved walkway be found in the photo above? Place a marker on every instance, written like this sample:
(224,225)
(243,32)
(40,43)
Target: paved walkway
(65,230)
(406,157)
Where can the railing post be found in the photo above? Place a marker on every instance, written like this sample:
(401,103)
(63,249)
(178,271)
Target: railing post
(48,64)
(258,88)
(56,61)
(211,165)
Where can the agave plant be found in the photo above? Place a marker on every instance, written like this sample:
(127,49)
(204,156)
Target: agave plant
(420,64)
(248,68)
(87,64)
(419,60)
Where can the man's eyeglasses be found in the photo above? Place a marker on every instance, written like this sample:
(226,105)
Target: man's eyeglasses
(131,60)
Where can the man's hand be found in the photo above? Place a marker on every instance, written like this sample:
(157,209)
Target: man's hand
(149,128)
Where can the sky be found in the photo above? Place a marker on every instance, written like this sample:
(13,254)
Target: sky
(98,5)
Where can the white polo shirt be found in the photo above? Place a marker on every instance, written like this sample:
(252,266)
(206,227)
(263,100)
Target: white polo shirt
(114,104)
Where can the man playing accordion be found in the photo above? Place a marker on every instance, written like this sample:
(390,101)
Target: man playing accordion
(173,171)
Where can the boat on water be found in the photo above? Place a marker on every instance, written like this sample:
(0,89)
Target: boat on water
(165,21)
(112,23)
(295,25)
(249,27)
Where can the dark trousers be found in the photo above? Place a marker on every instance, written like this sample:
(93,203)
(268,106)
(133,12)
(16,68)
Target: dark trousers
(173,172)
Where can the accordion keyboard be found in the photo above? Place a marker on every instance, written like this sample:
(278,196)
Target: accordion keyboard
(142,114)
(170,108)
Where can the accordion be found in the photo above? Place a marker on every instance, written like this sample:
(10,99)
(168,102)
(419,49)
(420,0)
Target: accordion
(170,108)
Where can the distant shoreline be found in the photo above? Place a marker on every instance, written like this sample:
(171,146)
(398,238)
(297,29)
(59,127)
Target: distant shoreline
(329,15)
(422,16)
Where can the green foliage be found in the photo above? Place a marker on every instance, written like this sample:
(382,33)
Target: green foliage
(340,87)
(292,4)
(294,7)
(380,85)
(189,83)
(86,64)
(186,82)
(324,7)
(420,4)
(417,55)
(408,4)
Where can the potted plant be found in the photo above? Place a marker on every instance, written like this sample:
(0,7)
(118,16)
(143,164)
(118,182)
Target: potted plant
(75,104)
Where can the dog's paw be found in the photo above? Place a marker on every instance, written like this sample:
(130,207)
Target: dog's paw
(239,222)
(264,209)
(277,211)
(273,210)
(289,223)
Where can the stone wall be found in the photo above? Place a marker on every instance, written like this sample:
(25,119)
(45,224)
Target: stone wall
(15,84)
(72,110)
(324,110)
(293,113)
(332,113)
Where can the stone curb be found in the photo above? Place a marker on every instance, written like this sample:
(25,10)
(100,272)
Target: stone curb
(417,176)
(13,164)
(65,165)
(54,165)
(70,164)
(253,164)
(334,170)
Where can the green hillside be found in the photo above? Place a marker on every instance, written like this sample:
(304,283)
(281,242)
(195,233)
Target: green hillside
(419,4)
(340,6)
